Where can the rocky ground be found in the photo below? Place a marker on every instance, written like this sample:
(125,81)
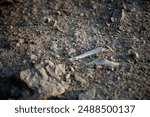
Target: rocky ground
(40,39)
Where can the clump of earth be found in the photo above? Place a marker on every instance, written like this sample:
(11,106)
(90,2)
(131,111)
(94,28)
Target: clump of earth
(38,38)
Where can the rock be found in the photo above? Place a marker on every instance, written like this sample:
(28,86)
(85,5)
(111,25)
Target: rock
(88,95)
(81,80)
(44,80)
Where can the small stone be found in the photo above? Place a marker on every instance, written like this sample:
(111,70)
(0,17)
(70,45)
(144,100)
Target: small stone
(47,19)
(118,78)
(39,51)
(112,19)
(58,13)
(134,54)
(88,95)
(81,14)
(33,57)
(112,68)
(72,69)
(67,76)
(130,89)
(18,45)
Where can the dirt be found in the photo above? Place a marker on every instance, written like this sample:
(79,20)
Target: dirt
(34,31)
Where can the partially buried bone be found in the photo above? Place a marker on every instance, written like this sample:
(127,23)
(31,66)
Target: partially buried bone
(103,61)
(91,52)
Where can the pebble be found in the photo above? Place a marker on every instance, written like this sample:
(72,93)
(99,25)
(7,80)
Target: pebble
(33,57)
(81,14)
(112,19)
(88,95)
(72,69)
(68,76)
(47,19)
(134,54)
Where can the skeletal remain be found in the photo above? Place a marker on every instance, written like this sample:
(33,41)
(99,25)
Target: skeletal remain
(91,52)
(103,61)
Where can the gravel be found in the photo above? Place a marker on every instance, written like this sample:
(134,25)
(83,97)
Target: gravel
(37,38)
